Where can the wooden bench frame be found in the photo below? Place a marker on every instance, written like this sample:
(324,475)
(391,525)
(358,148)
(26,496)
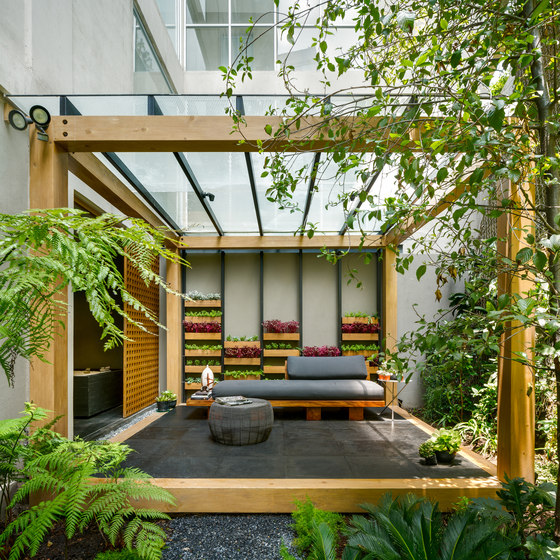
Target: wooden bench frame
(312,408)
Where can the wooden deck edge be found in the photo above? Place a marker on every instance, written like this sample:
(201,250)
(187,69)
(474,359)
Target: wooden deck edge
(262,495)
(477,459)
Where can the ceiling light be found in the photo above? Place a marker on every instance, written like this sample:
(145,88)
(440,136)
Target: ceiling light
(37,114)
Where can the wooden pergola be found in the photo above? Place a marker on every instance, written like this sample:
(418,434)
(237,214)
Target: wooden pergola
(72,139)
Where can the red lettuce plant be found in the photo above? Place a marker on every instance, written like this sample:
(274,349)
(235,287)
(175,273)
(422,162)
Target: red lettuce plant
(202,327)
(360,328)
(276,326)
(321,351)
(242,352)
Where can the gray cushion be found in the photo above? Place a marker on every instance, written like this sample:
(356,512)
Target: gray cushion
(301,389)
(338,367)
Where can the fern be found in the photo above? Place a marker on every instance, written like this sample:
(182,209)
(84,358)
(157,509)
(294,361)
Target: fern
(65,473)
(44,252)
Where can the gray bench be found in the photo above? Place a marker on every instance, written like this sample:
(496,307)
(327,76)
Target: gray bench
(314,383)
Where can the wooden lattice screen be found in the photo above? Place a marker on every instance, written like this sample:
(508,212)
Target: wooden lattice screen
(141,353)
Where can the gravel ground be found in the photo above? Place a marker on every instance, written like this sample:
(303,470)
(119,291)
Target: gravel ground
(231,537)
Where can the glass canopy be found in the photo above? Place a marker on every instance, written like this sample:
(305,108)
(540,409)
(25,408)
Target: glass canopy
(201,193)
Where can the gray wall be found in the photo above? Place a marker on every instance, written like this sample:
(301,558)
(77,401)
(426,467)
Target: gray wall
(281,286)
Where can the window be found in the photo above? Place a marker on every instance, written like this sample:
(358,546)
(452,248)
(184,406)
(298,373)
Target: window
(216,32)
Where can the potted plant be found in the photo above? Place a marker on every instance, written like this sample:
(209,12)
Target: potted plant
(428,453)
(446,444)
(166,401)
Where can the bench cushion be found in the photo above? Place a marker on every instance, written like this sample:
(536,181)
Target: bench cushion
(338,367)
(301,389)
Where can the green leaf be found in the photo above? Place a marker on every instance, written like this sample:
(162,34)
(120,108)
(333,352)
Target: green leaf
(524,255)
(420,271)
(268,129)
(496,118)
(540,260)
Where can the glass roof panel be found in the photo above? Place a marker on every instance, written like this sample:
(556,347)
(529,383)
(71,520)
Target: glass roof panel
(225,176)
(325,211)
(210,105)
(50,103)
(113,105)
(163,179)
(274,219)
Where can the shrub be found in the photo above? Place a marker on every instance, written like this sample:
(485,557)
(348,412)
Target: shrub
(446,440)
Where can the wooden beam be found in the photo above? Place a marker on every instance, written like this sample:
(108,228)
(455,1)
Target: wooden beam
(174,330)
(48,188)
(207,134)
(99,178)
(516,391)
(279,242)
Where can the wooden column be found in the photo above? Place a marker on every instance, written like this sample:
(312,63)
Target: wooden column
(48,188)
(516,394)
(174,331)
(389,308)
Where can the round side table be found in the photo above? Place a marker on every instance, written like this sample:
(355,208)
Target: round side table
(245,424)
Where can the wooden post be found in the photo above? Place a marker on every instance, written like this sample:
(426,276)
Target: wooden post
(174,331)
(48,188)
(389,307)
(516,392)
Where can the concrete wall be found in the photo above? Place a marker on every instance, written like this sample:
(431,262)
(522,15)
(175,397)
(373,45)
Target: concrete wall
(281,287)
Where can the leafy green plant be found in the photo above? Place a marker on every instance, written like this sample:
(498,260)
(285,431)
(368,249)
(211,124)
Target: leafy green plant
(204,313)
(309,520)
(280,346)
(42,253)
(192,380)
(411,528)
(448,440)
(361,314)
(240,374)
(203,346)
(242,338)
(426,449)
(118,555)
(64,475)
(359,347)
(166,396)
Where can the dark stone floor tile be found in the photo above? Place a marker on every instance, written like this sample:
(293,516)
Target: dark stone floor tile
(251,467)
(381,467)
(320,466)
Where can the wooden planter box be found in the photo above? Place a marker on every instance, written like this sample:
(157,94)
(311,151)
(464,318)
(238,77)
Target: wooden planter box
(275,369)
(281,336)
(226,377)
(193,386)
(193,319)
(280,353)
(364,353)
(242,361)
(204,303)
(199,369)
(203,336)
(350,320)
(199,353)
(97,391)
(242,343)
(360,336)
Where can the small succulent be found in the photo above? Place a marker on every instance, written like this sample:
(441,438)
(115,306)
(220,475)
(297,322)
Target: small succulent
(426,449)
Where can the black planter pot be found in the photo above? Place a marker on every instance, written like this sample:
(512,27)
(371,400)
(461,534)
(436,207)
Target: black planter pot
(164,406)
(430,460)
(444,457)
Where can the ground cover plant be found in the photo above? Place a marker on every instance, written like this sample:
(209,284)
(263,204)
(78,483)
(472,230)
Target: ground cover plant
(204,313)
(195,295)
(360,327)
(242,338)
(60,470)
(240,374)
